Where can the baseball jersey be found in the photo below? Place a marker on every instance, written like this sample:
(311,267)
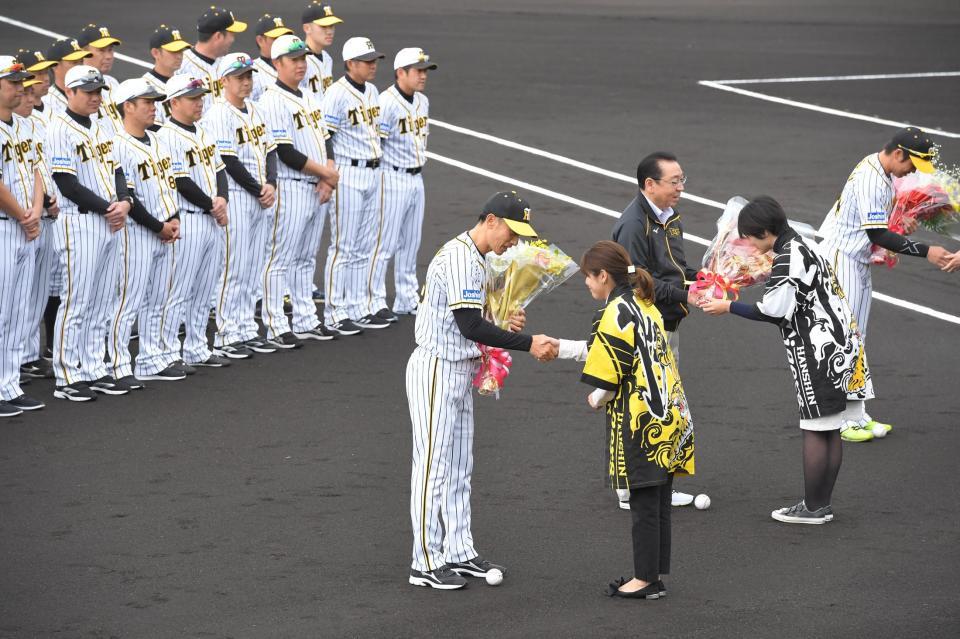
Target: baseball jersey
(297,119)
(149,171)
(242,134)
(109,117)
(108,111)
(864,204)
(197,66)
(159,83)
(455,279)
(194,155)
(353,119)
(85,152)
(18,158)
(263,78)
(404,128)
(54,102)
(40,120)
(319,74)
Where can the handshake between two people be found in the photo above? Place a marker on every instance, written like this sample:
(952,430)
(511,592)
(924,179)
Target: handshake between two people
(543,348)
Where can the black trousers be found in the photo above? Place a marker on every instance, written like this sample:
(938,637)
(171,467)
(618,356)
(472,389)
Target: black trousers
(650,510)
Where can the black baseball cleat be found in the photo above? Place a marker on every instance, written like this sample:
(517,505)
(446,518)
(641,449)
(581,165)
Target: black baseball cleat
(40,369)
(237,350)
(47,354)
(9,410)
(109,386)
(387,315)
(442,579)
(260,345)
(26,403)
(371,321)
(75,392)
(476,567)
(344,327)
(214,361)
(286,341)
(170,374)
(319,333)
(183,367)
(133,382)
(318,296)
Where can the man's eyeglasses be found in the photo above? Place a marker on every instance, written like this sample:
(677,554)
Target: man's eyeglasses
(674,182)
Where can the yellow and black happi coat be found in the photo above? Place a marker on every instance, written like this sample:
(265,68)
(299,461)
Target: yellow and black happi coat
(649,429)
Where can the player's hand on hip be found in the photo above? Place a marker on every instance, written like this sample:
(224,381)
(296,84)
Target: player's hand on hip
(938,256)
(953,264)
(544,348)
(324,192)
(268,195)
(518,320)
(909,225)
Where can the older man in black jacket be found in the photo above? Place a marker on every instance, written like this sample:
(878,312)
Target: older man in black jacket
(649,228)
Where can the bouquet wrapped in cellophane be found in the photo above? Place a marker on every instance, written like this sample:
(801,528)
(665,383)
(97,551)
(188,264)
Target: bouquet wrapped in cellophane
(514,280)
(932,199)
(731,262)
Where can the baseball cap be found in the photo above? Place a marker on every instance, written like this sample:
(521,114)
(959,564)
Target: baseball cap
(96,37)
(12,70)
(133,89)
(234,64)
(321,14)
(918,146)
(272,27)
(168,38)
(412,57)
(360,49)
(288,45)
(184,86)
(34,60)
(65,49)
(84,78)
(217,19)
(513,210)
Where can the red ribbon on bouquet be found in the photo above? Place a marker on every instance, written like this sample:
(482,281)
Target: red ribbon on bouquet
(494,368)
(718,285)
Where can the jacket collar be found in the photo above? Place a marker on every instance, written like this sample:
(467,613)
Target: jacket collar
(644,206)
(783,238)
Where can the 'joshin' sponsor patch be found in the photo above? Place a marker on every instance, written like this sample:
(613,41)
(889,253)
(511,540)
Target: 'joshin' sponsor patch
(471,295)
(877,216)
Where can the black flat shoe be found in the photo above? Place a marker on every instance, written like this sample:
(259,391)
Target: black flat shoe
(651,591)
(662,588)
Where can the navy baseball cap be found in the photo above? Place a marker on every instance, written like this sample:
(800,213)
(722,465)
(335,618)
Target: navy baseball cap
(66,50)
(513,210)
(96,37)
(918,146)
(34,61)
(272,27)
(168,38)
(217,19)
(320,13)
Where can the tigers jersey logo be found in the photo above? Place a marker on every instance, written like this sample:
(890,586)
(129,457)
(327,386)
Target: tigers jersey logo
(365,115)
(18,150)
(198,154)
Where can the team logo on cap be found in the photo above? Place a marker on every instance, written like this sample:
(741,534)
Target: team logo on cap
(175,34)
(75,45)
(369,44)
(422,57)
(526,215)
(328,10)
(278,22)
(39,56)
(104,32)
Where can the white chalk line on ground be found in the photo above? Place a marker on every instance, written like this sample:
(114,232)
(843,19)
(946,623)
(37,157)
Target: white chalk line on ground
(924,310)
(843,78)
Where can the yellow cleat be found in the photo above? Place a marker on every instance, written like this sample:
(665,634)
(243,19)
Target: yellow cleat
(879,429)
(856,433)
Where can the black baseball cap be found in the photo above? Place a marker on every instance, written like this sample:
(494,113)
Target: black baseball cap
(96,37)
(66,50)
(918,146)
(513,210)
(168,38)
(272,27)
(320,13)
(34,61)
(217,19)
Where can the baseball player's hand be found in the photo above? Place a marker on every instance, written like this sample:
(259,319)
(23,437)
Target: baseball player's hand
(324,191)
(30,225)
(54,209)
(117,215)
(544,348)
(168,234)
(219,210)
(715,306)
(938,256)
(693,298)
(330,176)
(953,264)
(268,195)
(910,225)
(518,320)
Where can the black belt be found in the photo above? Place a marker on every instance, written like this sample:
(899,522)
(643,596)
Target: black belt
(311,182)
(417,170)
(196,212)
(4,217)
(366,164)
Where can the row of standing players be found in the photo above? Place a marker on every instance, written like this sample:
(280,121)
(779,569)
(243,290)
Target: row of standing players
(203,184)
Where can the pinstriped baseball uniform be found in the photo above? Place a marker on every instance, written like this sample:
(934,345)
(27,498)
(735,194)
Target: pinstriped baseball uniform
(864,203)
(246,136)
(17,254)
(404,128)
(54,102)
(200,66)
(296,223)
(265,76)
(356,209)
(159,83)
(319,74)
(438,381)
(86,250)
(145,262)
(108,111)
(198,257)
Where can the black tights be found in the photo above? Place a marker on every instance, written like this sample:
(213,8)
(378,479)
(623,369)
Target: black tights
(822,456)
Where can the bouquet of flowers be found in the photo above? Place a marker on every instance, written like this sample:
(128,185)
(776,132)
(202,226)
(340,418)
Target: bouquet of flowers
(932,199)
(731,262)
(514,280)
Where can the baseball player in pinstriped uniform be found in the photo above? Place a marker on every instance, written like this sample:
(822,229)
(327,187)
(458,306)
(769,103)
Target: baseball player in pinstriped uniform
(269,29)
(306,177)
(351,107)
(145,252)
(202,194)
(404,112)
(67,54)
(166,47)
(216,31)
(21,204)
(858,219)
(32,364)
(439,391)
(246,145)
(93,207)
(99,42)
(319,27)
